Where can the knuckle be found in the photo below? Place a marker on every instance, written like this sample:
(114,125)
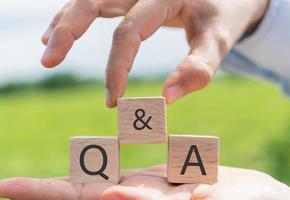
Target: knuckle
(90,6)
(60,28)
(223,39)
(173,7)
(126,32)
(123,30)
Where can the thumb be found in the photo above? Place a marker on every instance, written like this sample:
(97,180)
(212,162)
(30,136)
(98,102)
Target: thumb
(131,193)
(191,75)
(197,69)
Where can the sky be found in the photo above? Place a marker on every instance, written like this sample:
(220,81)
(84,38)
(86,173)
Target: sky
(23,22)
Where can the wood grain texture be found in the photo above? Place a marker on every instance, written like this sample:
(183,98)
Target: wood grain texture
(154,107)
(178,151)
(94,159)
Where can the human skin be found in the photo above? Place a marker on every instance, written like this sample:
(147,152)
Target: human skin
(150,184)
(212,28)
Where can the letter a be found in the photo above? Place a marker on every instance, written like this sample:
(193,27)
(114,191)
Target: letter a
(188,163)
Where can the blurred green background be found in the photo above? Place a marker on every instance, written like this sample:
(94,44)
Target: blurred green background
(251,118)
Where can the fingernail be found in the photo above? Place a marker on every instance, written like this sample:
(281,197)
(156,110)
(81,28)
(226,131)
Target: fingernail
(44,59)
(108,98)
(174,93)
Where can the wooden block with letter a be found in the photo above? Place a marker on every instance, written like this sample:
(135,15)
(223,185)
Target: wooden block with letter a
(192,159)
(94,159)
(142,120)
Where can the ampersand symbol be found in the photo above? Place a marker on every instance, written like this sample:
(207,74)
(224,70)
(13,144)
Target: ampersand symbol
(139,118)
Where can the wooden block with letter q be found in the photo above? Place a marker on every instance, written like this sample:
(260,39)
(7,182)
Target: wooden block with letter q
(142,120)
(94,159)
(192,159)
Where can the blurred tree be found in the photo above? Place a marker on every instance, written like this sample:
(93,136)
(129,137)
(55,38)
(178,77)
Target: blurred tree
(13,87)
(58,81)
(278,156)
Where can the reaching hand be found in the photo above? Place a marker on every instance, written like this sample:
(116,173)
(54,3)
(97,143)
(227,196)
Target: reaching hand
(150,184)
(212,28)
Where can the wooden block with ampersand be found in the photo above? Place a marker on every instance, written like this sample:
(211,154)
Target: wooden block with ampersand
(142,120)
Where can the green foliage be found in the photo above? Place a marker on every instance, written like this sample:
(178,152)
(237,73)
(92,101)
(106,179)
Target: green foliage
(278,156)
(55,81)
(250,117)
(12,87)
(59,81)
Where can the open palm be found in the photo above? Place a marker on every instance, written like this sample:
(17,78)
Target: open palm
(150,184)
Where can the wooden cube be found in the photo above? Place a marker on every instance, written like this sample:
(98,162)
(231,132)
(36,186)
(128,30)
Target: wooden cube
(142,120)
(193,159)
(94,159)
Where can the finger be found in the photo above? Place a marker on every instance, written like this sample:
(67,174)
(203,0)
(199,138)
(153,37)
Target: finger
(16,188)
(158,169)
(24,189)
(198,68)
(141,22)
(155,172)
(175,22)
(56,19)
(112,9)
(74,22)
(70,27)
(131,193)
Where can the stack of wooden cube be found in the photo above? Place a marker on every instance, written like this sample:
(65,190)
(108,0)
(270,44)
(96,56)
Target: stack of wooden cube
(191,158)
